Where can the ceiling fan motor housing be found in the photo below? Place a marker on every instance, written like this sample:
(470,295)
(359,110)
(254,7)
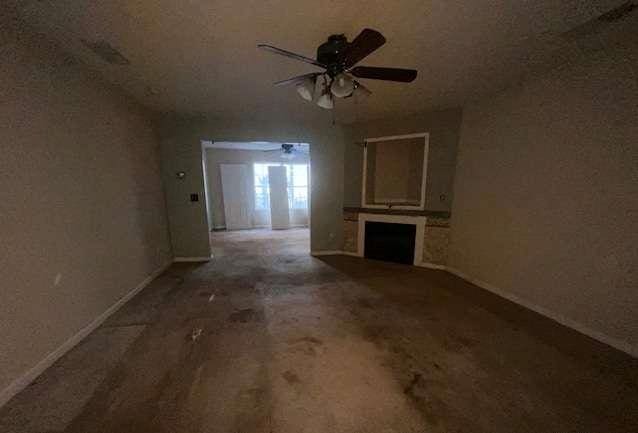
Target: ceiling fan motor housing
(339,57)
(330,53)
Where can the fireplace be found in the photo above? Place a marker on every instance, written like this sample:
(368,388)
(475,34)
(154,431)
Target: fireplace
(431,234)
(392,242)
(395,238)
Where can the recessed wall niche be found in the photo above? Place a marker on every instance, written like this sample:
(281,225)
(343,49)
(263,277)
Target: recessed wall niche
(394,171)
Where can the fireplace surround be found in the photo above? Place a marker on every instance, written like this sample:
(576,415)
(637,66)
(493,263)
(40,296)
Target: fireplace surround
(418,223)
(391,242)
(431,237)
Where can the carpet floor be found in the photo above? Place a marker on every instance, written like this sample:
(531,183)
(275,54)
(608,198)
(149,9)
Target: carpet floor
(265,338)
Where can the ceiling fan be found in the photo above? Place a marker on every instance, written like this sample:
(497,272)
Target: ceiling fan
(338,58)
(289,150)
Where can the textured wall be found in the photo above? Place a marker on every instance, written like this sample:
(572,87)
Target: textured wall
(546,193)
(397,171)
(443,127)
(82,211)
(181,151)
(215,157)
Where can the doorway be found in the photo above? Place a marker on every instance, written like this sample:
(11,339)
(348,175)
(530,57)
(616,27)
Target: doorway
(257,187)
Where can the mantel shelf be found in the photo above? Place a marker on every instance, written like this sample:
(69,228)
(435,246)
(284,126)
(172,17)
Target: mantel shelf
(408,212)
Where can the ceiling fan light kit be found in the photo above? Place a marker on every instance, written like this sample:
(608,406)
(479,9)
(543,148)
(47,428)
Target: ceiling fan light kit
(338,58)
(325,101)
(342,86)
(290,150)
(306,89)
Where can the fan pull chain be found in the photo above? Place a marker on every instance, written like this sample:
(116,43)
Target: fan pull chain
(356,108)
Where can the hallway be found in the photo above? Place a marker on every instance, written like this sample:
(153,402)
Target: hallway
(265,338)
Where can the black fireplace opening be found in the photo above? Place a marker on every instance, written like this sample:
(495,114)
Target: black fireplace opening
(390,242)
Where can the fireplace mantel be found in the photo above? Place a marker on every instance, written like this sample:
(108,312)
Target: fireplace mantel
(416,220)
(390,211)
(433,229)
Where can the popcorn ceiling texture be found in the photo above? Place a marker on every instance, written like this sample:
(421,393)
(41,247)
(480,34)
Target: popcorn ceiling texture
(201,56)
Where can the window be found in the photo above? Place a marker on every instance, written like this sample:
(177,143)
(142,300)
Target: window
(297,186)
(262,191)
(297,179)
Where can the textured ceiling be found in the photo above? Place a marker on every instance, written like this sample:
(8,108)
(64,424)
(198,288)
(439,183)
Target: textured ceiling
(200,56)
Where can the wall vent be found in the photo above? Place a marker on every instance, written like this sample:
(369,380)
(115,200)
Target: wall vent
(106,52)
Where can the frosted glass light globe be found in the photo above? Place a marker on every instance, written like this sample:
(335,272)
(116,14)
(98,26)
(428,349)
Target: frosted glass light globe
(342,86)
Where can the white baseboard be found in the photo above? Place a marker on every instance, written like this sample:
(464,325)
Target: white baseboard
(579,327)
(23,381)
(326,253)
(192,259)
(269,227)
(260,226)
(354,254)
(333,253)
(583,329)
(431,266)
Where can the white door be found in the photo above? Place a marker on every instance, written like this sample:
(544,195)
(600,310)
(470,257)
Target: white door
(236,192)
(279,212)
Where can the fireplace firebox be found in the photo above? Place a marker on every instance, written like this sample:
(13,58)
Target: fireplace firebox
(392,242)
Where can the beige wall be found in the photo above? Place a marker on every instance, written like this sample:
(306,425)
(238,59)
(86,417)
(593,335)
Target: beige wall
(82,211)
(397,171)
(546,193)
(391,164)
(181,151)
(215,157)
(443,127)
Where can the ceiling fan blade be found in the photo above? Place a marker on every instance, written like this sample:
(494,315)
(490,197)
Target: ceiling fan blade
(388,74)
(290,54)
(363,45)
(297,79)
